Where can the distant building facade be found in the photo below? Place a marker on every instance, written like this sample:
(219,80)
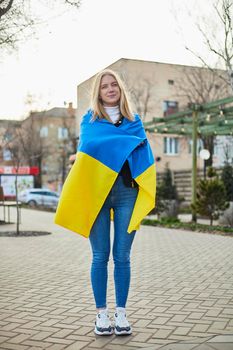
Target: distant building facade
(46,141)
(158,90)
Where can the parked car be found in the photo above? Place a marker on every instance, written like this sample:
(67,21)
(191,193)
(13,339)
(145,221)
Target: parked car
(39,197)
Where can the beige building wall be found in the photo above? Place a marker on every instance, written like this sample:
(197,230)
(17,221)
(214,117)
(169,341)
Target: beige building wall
(55,149)
(149,85)
(42,136)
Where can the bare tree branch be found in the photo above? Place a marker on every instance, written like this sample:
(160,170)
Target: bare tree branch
(199,86)
(223,49)
(4,10)
(73,3)
(141,94)
(18,19)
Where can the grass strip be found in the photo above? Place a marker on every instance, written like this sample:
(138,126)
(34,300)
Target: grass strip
(190,226)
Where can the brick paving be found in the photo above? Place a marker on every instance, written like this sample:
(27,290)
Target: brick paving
(181,293)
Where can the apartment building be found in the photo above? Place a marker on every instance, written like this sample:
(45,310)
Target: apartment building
(157,90)
(45,141)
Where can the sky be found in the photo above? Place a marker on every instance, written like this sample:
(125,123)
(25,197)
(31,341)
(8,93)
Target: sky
(77,44)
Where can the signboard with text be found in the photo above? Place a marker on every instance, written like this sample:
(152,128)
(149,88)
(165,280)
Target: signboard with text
(22,170)
(8,184)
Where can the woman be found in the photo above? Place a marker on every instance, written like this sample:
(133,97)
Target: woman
(114,173)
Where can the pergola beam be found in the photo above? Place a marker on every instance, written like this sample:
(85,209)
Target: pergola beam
(213,118)
(212,107)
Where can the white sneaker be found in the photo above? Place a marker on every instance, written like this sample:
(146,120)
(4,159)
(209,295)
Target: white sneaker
(122,326)
(103,324)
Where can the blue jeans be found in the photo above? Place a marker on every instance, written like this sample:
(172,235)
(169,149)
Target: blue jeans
(122,200)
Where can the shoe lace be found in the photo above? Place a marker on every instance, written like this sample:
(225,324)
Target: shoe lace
(121,319)
(104,319)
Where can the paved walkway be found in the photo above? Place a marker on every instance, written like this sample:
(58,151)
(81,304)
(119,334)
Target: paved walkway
(181,294)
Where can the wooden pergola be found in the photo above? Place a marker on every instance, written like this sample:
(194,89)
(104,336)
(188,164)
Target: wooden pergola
(214,118)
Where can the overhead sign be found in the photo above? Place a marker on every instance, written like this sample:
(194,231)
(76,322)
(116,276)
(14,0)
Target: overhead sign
(22,170)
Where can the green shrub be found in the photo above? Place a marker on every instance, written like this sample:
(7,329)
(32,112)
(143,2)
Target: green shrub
(227,179)
(169,220)
(190,226)
(166,197)
(211,197)
(168,189)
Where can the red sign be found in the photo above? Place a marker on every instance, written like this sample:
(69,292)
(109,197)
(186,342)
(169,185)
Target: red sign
(22,170)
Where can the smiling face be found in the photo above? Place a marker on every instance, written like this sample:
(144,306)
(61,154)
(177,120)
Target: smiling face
(109,91)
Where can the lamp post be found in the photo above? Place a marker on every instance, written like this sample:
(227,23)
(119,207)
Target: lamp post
(194,162)
(204,154)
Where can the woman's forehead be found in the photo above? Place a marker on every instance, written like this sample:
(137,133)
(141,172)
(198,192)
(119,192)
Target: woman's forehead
(108,77)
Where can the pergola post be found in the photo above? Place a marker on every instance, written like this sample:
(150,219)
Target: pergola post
(194,163)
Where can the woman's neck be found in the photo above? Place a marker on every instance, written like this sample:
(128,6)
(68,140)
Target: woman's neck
(113,112)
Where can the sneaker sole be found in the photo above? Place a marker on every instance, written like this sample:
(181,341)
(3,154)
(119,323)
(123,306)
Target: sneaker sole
(103,333)
(123,332)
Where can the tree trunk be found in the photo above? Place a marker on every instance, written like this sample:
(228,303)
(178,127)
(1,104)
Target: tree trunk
(211,220)
(17,202)
(208,143)
(38,178)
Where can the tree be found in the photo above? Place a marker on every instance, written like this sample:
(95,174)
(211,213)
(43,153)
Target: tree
(211,197)
(199,86)
(227,179)
(52,158)
(13,145)
(168,197)
(168,189)
(161,204)
(68,145)
(18,18)
(33,146)
(216,31)
(141,94)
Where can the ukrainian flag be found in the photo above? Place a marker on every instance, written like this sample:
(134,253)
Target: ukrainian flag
(102,151)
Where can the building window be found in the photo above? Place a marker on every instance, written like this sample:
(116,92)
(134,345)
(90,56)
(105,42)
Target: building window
(200,145)
(7,154)
(62,133)
(216,150)
(44,131)
(8,136)
(169,107)
(171,145)
(170,82)
(223,148)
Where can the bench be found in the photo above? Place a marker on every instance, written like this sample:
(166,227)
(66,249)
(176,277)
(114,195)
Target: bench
(7,205)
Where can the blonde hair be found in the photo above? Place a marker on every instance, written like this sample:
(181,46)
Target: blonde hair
(96,104)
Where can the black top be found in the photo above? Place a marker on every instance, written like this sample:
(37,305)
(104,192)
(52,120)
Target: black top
(125,170)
